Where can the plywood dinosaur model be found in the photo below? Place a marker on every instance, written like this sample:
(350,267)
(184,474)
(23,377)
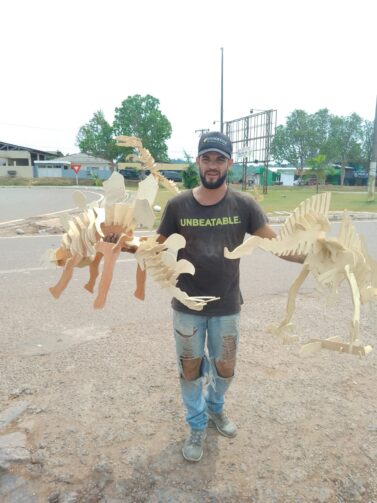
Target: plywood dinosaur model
(84,242)
(330,259)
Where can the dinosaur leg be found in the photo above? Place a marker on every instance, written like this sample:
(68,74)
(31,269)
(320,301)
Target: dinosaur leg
(141,276)
(93,272)
(356,306)
(66,276)
(282,329)
(110,256)
(292,294)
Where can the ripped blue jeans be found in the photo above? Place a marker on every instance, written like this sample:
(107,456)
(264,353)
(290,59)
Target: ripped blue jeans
(191,332)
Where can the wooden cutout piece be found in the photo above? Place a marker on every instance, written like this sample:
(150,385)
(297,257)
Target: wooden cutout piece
(93,272)
(110,256)
(66,276)
(143,213)
(148,189)
(334,345)
(141,276)
(115,190)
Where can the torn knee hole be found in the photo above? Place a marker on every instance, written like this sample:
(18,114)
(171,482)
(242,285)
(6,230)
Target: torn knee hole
(190,368)
(229,348)
(225,368)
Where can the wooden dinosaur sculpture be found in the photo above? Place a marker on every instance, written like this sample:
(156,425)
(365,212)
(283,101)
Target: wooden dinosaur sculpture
(85,243)
(330,259)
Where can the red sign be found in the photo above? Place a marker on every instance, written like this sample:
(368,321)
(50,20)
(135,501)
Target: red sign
(76,167)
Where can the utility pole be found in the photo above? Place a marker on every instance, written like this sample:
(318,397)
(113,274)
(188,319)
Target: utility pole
(267,149)
(373,161)
(244,173)
(222,93)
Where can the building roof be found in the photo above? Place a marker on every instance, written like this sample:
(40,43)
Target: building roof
(10,146)
(75,159)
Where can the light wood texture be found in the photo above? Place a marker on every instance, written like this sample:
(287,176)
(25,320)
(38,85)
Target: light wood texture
(100,233)
(331,260)
(148,162)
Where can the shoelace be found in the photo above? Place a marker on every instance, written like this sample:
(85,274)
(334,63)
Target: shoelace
(196,437)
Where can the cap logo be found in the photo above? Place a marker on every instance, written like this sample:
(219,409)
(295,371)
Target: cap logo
(215,139)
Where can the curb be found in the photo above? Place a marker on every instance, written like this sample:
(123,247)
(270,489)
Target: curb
(334,216)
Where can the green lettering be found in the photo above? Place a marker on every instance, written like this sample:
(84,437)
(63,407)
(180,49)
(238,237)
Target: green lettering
(202,222)
(195,222)
(226,220)
(219,221)
(237,219)
(208,222)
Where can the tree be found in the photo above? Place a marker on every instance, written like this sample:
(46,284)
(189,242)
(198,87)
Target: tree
(344,143)
(190,176)
(140,116)
(96,138)
(319,169)
(342,140)
(294,141)
(367,142)
(320,125)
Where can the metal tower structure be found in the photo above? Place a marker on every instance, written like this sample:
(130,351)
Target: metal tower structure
(251,137)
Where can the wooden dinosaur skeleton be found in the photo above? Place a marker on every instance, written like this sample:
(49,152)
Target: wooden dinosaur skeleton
(84,242)
(331,260)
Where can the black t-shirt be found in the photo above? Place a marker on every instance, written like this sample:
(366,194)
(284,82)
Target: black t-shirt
(207,230)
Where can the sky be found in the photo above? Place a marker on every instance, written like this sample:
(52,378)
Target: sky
(63,61)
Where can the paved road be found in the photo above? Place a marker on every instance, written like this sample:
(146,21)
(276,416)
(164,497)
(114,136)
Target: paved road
(34,315)
(22,202)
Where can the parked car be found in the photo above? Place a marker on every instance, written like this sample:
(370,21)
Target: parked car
(175,176)
(130,174)
(312,180)
(299,181)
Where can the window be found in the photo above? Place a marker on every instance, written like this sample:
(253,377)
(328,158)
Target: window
(22,162)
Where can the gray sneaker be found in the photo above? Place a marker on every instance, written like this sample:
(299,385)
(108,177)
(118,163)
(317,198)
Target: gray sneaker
(223,424)
(193,447)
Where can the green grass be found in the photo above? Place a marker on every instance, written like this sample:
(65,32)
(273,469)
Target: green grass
(287,199)
(280,199)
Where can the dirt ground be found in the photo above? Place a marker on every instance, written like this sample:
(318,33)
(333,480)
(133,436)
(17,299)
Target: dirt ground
(104,421)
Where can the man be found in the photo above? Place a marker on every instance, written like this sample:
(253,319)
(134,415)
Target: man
(210,217)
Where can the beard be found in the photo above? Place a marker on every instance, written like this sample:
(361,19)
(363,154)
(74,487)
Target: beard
(213,185)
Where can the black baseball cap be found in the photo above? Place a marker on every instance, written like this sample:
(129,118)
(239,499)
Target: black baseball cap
(215,141)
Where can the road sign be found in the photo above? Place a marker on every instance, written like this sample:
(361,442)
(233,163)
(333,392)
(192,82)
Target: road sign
(76,167)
